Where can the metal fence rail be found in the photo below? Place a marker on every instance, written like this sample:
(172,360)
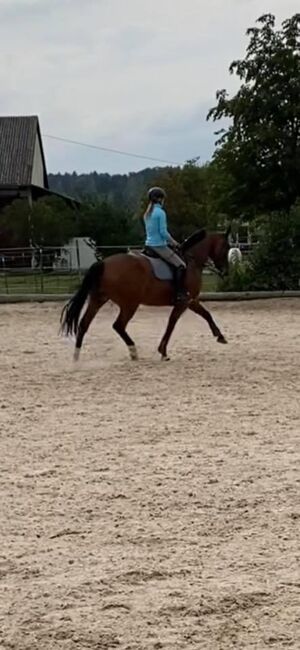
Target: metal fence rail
(53,270)
(46,270)
(51,257)
(27,281)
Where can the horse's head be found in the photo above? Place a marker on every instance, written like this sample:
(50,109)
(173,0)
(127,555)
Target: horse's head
(213,246)
(219,250)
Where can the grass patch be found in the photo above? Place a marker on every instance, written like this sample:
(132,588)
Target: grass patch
(210,283)
(11,283)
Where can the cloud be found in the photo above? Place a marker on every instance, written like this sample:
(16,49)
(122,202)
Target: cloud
(127,75)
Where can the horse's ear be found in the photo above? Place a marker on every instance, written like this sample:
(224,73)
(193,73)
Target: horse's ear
(228,231)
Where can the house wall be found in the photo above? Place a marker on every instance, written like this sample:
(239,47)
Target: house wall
(76,255)
(38,167)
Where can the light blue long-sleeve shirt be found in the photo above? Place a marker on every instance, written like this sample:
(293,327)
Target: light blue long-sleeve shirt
(156,228)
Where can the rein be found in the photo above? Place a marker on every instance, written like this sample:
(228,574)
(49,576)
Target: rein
(213,269)
(189,257)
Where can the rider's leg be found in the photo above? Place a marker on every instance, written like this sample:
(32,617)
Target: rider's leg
(179,279)
(179,269)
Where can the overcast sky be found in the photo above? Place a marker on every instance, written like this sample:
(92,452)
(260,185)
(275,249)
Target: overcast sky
(135,75)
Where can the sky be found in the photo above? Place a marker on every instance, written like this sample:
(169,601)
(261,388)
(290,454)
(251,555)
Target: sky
(132,75)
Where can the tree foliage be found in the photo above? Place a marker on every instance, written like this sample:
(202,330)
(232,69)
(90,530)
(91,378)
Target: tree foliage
(108,225)
(259,153)
(113,205)
(49,222)
(274,262)
(123,190)
(188,198)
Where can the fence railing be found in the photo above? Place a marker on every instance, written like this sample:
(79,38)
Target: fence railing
(53,270)
(50,257)
(48,270)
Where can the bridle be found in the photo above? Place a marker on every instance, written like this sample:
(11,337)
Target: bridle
(209,265)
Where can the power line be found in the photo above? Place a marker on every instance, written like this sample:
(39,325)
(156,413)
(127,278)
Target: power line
(107,149)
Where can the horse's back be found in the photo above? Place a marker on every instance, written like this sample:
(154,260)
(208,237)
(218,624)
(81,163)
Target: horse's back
(128,277)
(126,263)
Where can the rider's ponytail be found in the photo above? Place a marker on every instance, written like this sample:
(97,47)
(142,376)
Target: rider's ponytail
(148,210)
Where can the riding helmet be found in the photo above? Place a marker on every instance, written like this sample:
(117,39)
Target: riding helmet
(156,194)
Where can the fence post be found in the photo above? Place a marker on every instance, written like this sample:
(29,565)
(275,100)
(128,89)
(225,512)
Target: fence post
(5,274)
(41,270)
(78,257)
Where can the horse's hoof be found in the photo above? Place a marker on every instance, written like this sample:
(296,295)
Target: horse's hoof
(221,339)
(133,353)
(164,357)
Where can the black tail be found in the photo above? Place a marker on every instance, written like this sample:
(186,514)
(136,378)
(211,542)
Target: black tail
(71,312)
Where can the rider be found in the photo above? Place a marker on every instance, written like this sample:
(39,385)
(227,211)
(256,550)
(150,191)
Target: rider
(159,239)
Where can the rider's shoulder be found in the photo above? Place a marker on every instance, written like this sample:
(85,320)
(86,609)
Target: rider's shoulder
(159,209)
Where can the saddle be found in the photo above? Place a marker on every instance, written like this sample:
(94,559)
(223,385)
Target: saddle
(160,268)
(149,252)
(166,271)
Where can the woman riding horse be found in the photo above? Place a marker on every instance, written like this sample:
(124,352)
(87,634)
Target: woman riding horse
(159,240)
(128,281)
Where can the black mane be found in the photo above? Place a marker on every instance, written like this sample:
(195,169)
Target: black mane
(192,240)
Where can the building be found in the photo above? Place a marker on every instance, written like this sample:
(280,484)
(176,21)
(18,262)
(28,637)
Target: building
(23,173)
(79,253)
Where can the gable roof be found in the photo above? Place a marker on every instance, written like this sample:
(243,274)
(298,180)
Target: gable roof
(17,145)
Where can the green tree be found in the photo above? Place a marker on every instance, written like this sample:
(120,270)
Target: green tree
(187,202)
(107,225)
(274,262)
(258,154)
(49,222)
(123,190)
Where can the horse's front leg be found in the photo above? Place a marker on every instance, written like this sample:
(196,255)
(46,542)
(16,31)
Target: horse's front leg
(197,308)
(174,317)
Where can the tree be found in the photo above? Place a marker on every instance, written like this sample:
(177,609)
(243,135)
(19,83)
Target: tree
(107,225)
(259,153)
(123,190)
(187,202)
(274,263)
(49,222)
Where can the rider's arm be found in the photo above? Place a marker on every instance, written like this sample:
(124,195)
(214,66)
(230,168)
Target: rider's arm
(164,230)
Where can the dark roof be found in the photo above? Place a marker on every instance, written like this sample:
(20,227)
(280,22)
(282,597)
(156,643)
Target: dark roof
(17,145)
(39,192)
(10,192)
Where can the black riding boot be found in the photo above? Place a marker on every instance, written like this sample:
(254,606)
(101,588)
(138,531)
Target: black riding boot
(181,294)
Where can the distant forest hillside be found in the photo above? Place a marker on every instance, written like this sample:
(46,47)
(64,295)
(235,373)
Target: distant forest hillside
(120,189)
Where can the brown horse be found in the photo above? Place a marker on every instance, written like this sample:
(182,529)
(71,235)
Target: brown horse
(128,281)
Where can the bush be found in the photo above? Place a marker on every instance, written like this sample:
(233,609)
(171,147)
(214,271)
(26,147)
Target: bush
(274,264)
(239,278)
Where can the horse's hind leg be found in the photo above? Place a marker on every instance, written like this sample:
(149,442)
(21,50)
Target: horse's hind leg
(174,317)
(198,309)
(125,315)
(95,303)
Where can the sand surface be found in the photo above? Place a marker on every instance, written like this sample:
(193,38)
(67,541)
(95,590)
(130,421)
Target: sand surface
(148,505)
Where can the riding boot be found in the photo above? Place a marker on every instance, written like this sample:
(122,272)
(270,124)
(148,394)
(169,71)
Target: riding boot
(181,294)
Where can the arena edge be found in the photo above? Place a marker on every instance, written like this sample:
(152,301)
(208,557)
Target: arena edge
(233,296)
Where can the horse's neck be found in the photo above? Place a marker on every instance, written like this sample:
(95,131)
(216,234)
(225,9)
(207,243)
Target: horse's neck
(203,251)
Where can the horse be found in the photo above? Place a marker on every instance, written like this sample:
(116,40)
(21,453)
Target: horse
(127,279)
